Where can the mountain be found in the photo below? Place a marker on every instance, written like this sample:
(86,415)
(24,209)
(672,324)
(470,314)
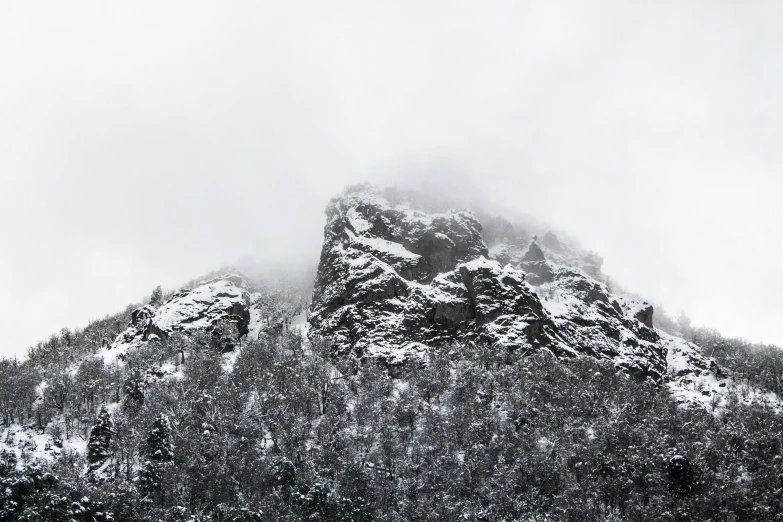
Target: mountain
(394,283)
(444,364)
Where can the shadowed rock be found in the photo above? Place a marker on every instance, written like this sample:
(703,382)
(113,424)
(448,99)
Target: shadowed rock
(394,283)
(534,264)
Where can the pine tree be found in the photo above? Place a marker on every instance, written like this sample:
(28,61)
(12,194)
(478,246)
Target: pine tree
(159,454)
(134,386)
(156,299)
(159,441)
(98,447)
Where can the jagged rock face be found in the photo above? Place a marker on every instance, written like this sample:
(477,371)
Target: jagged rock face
(534,253)
(393,281)
(538,257)
(385,292)
(595,322)
(416,245)
(226,300)
(534,264)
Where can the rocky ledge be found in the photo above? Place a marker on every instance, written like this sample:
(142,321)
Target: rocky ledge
(209,307)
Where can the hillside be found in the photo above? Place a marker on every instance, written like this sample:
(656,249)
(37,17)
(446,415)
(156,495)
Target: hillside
(443,365)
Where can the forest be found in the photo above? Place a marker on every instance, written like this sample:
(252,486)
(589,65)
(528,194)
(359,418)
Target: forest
(278,429)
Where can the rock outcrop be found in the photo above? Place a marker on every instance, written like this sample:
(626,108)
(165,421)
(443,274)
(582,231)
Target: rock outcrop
(211,305)
(394,282)
(535,266)
(538,258)
(603,325)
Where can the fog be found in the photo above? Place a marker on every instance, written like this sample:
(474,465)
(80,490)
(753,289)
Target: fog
(146,143)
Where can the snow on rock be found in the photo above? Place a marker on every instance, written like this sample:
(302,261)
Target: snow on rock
(228,309)
(224,300)
(541,255)
(597,323)
(695,380)
(394,282)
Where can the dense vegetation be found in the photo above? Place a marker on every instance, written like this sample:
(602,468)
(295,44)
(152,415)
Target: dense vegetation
(288,433)
(277,429)
(756,364)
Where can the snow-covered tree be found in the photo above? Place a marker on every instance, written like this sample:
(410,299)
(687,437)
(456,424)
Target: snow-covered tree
(159,454)
(159,447)
(156,299)
(99,445)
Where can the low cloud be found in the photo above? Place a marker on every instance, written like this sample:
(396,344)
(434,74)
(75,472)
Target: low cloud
(148,144)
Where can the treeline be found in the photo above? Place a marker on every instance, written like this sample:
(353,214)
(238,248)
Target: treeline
(756,364)
(280,430)
(62,382)
(65,364)
(288,433)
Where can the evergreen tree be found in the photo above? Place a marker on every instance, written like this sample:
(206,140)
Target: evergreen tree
(159,454)
(159,441)
(98,447)
(156,299)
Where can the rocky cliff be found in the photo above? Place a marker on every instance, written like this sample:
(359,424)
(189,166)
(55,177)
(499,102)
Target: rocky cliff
(211,305)
(394,283)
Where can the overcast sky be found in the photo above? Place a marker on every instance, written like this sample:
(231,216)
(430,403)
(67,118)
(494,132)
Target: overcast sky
(146,143)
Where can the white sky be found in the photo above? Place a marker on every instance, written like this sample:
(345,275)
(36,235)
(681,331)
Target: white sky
(146,143)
